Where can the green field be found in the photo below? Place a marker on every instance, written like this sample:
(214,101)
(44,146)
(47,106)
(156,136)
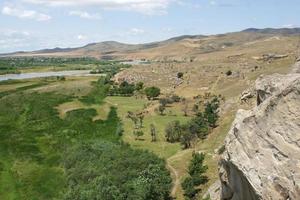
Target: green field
(45,156)
(45,120)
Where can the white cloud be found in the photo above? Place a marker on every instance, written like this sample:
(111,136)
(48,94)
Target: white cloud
(147,7)
(24,14)
(85,15)
(81,37)
(289,26)
(13,39)
(136,31)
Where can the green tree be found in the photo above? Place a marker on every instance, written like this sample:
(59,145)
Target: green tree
(120,129)
(173,131)
(141,119)
(133,118)
(197,169)
(153,132)
(211,112)
(186,136)
(189,188)
(152,184)
(197,177)
(152,92)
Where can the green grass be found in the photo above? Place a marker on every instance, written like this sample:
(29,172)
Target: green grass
(33,138)
(161,148)
(34,141)
(23,88)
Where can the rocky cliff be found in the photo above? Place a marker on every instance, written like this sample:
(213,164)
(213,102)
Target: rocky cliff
(262,150)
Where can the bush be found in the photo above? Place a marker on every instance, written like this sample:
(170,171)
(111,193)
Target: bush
(229,73)
(179,75)
(152,92)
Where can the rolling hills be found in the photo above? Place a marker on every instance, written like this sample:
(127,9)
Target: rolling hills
(177,48)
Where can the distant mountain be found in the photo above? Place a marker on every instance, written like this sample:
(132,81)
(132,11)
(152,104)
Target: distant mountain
(177,47)
(282,31)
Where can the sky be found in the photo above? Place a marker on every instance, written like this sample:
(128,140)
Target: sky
(37,24)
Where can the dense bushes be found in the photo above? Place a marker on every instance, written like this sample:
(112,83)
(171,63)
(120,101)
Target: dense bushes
(106,171)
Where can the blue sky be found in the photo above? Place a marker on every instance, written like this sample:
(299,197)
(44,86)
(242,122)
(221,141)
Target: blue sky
(38,24)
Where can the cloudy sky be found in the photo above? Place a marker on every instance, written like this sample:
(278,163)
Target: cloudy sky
(38,24)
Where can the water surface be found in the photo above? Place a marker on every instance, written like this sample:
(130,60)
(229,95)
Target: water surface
(46,74)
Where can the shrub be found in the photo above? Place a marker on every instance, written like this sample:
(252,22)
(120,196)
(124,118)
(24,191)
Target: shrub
(152,92)
(179,75)
(229,73)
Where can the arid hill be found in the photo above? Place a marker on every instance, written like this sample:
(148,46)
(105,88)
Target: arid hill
(178,48)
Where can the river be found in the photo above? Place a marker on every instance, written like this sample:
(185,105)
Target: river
(46,74)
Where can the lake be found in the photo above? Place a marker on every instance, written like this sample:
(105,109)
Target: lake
(46,74)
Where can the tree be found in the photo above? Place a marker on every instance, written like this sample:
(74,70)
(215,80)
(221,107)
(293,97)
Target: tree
(152,92)
(211,112)
(139,86)
(186,136)
(141,119)
(173,131)
(161,109)
(134,119)
(188,187)
(119,130)
(195,108)
(153,132)
(197,168)
(138,134)
(152,184)
(199,126)
(197,177)
(163,101)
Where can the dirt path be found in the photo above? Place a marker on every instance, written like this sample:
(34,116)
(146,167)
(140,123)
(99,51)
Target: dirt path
(176,183)
(177,172)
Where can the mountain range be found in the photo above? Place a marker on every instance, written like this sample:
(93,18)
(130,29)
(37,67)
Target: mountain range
(176,48)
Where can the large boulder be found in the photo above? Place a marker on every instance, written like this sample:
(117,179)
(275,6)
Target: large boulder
(262,150)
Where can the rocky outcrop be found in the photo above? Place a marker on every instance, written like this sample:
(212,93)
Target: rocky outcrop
(262,150)
(296,67)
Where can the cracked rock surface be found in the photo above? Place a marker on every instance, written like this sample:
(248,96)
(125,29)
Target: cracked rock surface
(262,150)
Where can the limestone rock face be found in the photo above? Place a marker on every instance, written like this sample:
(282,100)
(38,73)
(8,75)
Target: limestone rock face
(296,67)
(262,150)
